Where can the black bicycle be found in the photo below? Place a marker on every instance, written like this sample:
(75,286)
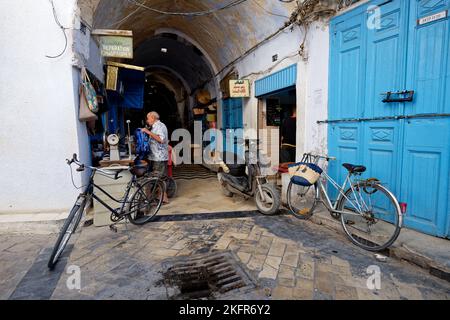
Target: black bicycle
(140,203)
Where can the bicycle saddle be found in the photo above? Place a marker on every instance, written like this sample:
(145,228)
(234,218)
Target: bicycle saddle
(354,168)
(139,170)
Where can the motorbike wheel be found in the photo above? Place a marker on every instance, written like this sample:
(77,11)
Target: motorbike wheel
(271,206)
(171,188)
(225,191)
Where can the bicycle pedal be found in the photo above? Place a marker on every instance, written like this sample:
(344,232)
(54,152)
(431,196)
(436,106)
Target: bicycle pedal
(303,212)
(113,228)
(88,223)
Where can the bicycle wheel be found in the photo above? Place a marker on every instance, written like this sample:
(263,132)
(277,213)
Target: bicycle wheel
(146,201)
(171,187)
(301,200)
(69,227)
(371,216)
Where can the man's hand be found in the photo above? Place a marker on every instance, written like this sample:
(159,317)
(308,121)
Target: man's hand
(152,135)
(145,130)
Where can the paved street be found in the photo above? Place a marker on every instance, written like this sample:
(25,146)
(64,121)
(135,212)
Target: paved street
(285,259)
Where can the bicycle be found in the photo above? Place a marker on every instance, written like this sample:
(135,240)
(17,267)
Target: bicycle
(369,213)
(138,207)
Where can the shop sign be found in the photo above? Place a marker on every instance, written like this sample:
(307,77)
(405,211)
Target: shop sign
(116,47)
(240,88)
(432,18)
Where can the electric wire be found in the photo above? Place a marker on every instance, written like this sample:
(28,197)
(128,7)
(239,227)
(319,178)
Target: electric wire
(269,12)
(198,13)
(265,40)
(125,18)
(293,55)
(55,16)
(140,5)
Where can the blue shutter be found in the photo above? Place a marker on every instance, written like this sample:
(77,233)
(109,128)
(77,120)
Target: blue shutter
(282,79)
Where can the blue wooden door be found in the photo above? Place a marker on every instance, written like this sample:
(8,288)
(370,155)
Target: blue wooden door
(384,72)
(348,51)
(426,149)
(232,121)
(409,154)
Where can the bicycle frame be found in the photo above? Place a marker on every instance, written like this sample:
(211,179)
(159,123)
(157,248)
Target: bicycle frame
(321,195)
(89,193)
(86,197)
(354,200)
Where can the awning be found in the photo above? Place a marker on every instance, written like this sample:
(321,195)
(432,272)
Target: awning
(282,79)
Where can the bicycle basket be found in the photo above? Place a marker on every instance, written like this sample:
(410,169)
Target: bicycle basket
(304,174)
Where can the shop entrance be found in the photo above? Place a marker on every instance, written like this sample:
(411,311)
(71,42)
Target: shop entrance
(278,114)
(276,107)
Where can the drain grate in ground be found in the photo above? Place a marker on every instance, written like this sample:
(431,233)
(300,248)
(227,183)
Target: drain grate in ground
(206,276)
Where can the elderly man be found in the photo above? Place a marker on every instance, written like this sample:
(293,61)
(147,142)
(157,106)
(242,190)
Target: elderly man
(159,147)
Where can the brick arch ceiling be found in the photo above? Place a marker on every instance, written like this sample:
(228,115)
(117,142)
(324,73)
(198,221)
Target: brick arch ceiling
(224,35)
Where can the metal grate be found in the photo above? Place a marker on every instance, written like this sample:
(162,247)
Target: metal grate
(205,276)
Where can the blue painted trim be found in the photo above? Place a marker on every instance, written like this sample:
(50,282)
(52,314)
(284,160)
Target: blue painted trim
(279,80)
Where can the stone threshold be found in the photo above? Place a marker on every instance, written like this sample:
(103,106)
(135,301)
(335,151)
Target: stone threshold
(32,217)
(32,223)
(428,252)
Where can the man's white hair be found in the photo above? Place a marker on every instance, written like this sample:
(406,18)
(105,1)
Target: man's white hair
(154,114)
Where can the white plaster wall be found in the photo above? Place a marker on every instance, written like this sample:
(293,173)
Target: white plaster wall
(259,64)
(38,108)
(317,89)
(312,82)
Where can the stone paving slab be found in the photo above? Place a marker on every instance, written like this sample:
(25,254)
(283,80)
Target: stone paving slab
(289,258)
(431,253)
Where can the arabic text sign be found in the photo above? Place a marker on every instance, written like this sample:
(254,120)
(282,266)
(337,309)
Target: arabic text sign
(239,88)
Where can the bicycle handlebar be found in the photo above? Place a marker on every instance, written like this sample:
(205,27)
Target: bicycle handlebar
(82,166)
(326,157)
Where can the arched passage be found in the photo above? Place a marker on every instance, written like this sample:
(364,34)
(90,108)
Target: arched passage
(178,87)
(184,54)
(180,66)
(200,47)
(222,35)
(175,70)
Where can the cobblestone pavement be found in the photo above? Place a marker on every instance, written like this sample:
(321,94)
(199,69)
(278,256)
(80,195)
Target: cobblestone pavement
(287,258)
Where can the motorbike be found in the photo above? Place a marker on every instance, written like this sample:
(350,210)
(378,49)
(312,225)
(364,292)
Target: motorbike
(243,177)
